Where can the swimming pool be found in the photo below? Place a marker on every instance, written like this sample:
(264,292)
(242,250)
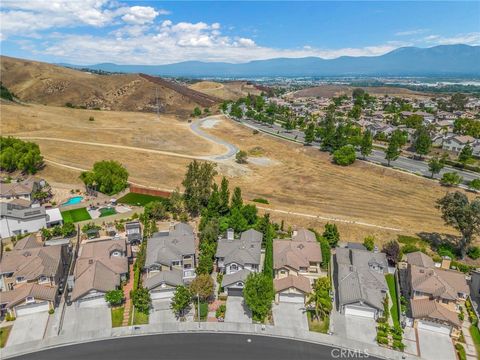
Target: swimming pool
(74,200)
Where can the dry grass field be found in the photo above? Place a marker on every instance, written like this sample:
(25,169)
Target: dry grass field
(336,90)
(227,91)
(300,183)
(303,180)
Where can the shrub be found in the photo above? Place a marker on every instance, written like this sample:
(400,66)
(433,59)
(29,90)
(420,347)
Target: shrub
(51,311)
(474,252)
(369,243)
(398,345)
(241,157)
(462,355)
(345,155)
(382,340)
(220,313)
(114,297)
(260,201)
(141,300)
(397,337)
(91,118)
(381,333)
(203,310)
(409,248)
(9,317)
(451,179)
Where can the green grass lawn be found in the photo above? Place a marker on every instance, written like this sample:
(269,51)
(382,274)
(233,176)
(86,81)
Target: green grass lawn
(316,325)
(393,294)
(4,332)
(140,199)
(75,215)
(475,336)
(140,318)
(107,211)
(117,316)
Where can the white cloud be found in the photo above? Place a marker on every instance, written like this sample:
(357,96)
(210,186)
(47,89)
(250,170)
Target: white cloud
(411,32)
(468,39)
(26,17)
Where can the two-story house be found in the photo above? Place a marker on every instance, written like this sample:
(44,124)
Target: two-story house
(30,275)
(16,219)
(359,277)
(101,266)
(237,258)
(435,294)
(170,260)
(296,263)
(20,190)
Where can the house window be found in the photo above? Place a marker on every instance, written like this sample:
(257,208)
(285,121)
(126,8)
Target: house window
(20,279)
(187,257)
(187,266)
(176,263)
(445,301)
(283,272)
(43,279)
(233,267)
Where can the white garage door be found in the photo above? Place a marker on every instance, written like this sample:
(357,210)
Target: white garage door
(32,308)
(92,301)
(356,311)
(426,325)
(292,298)
(162,294)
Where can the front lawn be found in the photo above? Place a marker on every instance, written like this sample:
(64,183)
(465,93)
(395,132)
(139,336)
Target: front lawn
(393,294)
(139,318)
(317,325)
(475,336)
(140,199)
(4,332)
(75,215)
(117,316)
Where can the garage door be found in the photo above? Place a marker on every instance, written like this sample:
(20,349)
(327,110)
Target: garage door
(356,311)
(426,325)
(31,309)
(98,300)
(162,294)
(292,298)
(235,292)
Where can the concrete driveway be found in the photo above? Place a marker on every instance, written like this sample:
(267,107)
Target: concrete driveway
(435,346)
(290,315)
(237,310)
(161,312)
(82,319)
(354,327)
(28,328)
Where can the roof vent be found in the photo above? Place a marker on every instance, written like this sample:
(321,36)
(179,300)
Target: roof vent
(90,261)
(301,246)
(422,271)
(27,253)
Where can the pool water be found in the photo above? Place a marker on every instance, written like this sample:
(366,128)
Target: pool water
(74,200)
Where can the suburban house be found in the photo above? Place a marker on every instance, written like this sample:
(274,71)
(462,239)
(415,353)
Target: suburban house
(296,264)
(360,284)
(54,217)
(30,275)
(133,230)
(457,142)
(101,266)
(435,294)
(170,260)
(20,190)
(237,258)
(17,220)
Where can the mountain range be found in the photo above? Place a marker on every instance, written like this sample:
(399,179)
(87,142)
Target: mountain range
(443,60)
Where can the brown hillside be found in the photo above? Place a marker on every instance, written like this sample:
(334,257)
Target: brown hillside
(336,90)
(54,85)
(231,90)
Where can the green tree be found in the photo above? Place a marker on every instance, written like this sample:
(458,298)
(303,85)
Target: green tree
(422,142)
(224,197)
(392,251)
(435,165)
(393,151)
(181,300)
(310,133)
(463,215)
(197,111)
(237,201)
(331,234)
(466,154)
(236,220)
(203,286)
(107,176)
(141,300)
(458,101)
(249,213)
(258,293)
(369,242)
(68,229)
(241,157)
(355,112)
(366,144)
(345,155)
(320,299)
(114,297)
(155,210)
(198,183)
(16,154)
(451,179)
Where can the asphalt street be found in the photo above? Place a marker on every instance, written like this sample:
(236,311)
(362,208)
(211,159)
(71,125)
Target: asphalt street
(377,156)
(196,346)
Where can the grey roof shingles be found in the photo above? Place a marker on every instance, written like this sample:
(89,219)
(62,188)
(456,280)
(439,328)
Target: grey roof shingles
(246,250)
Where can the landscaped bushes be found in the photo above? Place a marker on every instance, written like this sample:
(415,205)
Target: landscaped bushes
(462,355)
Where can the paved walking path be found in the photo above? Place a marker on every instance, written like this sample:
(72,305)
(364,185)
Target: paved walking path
(128,301)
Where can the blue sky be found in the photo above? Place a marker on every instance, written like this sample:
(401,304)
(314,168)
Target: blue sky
(159,32)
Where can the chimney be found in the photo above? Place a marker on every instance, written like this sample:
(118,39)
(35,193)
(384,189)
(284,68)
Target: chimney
(230,234)
(446,261)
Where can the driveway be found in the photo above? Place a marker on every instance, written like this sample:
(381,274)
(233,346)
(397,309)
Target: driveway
(442,348)
(354,327)
(82,319)
(290,315)
(28,328)
(161,312)
(237,311)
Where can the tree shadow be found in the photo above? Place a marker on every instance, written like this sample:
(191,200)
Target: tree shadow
(436,240)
